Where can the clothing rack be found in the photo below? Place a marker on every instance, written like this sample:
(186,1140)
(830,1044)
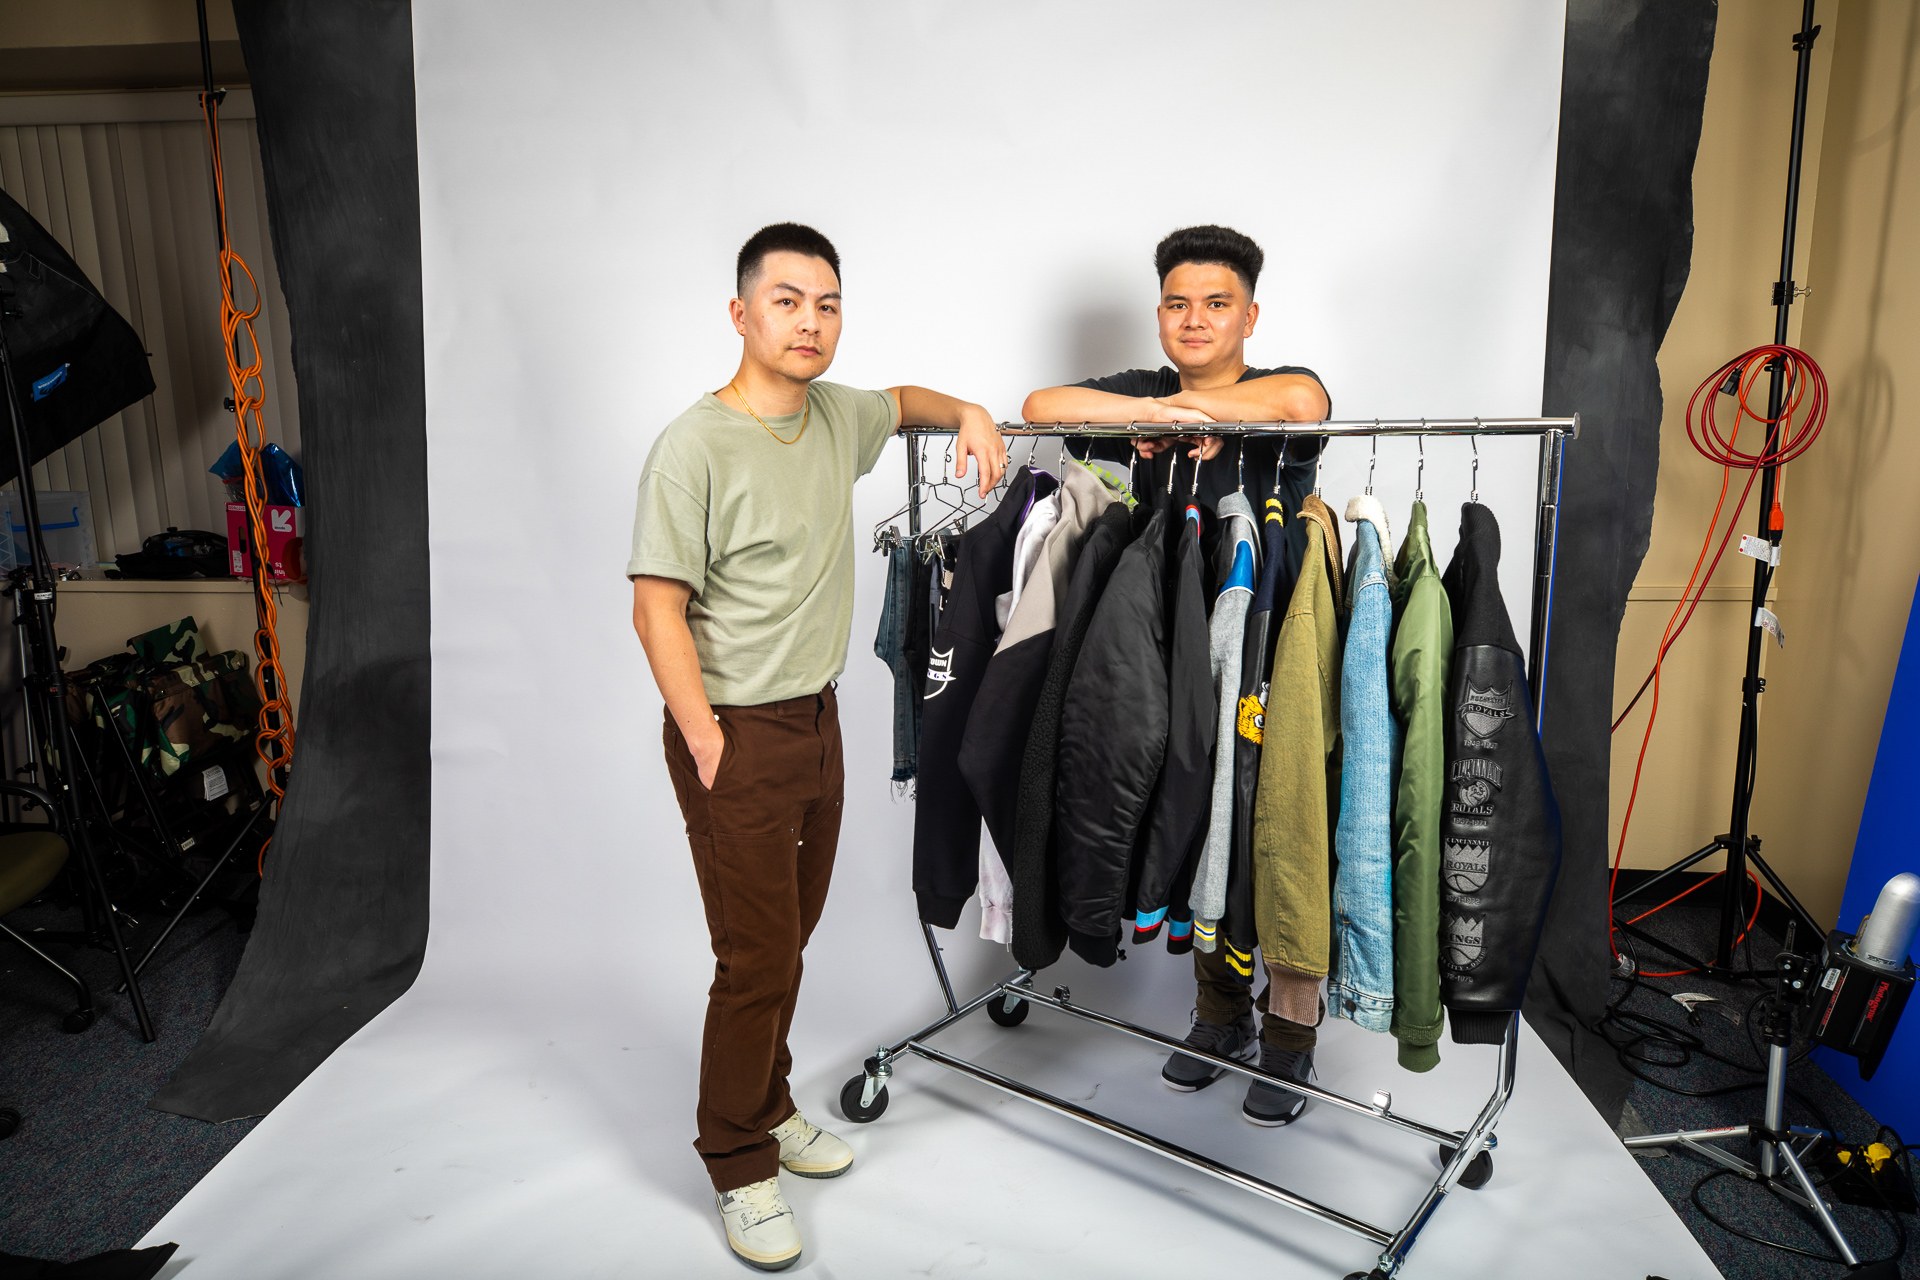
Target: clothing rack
(1465,1154)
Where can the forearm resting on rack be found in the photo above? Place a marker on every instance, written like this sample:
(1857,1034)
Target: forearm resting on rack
(976,435)
(660,620)
(1281,397)
(1084,404)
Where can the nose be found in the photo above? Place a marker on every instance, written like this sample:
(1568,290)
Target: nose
(810,322)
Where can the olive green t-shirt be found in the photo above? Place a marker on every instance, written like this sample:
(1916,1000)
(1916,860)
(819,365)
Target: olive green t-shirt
(763,533)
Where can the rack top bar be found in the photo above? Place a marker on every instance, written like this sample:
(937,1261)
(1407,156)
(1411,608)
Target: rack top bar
(1359,427)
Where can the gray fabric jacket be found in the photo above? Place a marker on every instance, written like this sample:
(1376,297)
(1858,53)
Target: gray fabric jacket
(1239,557)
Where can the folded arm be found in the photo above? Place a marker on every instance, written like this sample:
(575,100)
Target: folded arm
(1280,397)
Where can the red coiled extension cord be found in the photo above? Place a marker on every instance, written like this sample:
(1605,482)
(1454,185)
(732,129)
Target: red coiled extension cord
(1796,431)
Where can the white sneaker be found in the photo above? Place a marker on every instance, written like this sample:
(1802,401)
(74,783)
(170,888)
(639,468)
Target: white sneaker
(811,1152)
(760,1225)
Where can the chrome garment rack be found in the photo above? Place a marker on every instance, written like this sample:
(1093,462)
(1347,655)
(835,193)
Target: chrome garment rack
(1466,1155)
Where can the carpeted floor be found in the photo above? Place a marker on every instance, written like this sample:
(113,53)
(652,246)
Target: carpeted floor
(90,1168)
(1723,1027)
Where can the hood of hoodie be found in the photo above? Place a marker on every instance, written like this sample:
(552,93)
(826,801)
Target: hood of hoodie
(1473,584)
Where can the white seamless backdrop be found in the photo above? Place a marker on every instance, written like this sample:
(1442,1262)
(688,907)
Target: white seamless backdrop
(995,175)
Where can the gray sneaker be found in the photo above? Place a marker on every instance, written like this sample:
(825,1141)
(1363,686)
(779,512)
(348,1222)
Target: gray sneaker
(1270,1104)
(1234,1040)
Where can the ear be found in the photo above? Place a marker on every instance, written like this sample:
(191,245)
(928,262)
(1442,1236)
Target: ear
(1253,316)
(737,310)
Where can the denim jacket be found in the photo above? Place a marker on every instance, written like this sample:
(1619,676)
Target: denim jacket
(1360,982)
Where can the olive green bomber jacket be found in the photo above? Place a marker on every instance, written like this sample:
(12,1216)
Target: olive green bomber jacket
(1297,801)
(1422,649)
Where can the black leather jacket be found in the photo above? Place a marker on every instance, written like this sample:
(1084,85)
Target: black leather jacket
(1500,836)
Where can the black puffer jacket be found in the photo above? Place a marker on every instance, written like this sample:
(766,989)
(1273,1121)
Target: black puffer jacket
(1182,800)
(1039,934)
(1500,836)
(1113,740)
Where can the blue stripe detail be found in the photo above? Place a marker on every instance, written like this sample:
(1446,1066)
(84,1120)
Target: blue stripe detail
(1144,922)
(1180,928)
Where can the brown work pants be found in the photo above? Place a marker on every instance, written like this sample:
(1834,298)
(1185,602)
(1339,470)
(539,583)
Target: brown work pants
(1222,998)
(763,841)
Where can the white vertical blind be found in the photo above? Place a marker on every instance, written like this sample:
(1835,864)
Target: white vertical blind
(133,203)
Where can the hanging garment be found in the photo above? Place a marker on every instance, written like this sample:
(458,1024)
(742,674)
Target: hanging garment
(1039,933)
(901,643)
(1285,543)
(1360,983)
(1040,519)
(1500,840)
(1236,569)
(1422,652)
(1113,740)
(1003,711)
(1298,797)
(1177,819)
(946,822)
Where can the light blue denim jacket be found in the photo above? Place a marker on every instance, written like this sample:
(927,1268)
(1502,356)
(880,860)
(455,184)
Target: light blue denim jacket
(1360,983)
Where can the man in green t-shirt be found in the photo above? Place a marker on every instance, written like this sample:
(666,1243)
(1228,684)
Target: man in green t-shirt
(742,574)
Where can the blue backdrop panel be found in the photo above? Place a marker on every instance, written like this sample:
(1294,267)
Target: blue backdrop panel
(1885,848)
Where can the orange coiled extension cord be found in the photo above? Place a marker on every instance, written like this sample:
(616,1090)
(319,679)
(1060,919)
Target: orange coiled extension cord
(1795,435)
(274,739)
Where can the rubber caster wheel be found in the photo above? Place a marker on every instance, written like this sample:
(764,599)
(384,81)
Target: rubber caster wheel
(77,1021)
(9,1122)
(1479,1169)
(998,1011)
(850,1101)
(1375,1274)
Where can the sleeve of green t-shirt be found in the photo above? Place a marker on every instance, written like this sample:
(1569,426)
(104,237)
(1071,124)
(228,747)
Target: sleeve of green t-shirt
(873,415)
(670,523)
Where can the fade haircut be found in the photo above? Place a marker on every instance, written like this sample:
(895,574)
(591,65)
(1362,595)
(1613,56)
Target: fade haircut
(784,237)
(1218,246)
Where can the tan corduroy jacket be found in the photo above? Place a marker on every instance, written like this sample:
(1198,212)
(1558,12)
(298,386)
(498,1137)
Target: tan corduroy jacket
(1298,799)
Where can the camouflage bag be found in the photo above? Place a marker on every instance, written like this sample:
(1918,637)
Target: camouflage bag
(169,646)
(195,708)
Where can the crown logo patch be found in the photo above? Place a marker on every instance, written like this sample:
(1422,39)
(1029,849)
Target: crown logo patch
(1462,943)
(1464,864)
(1485,711)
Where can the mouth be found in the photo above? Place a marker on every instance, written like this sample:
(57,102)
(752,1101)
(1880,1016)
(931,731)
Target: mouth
(806,351)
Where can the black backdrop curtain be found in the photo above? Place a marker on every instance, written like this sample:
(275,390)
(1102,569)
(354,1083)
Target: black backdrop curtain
(1630,104)
(343,910)
(343,916)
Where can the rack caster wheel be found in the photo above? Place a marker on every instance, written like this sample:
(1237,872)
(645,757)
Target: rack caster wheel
(77,1021)
(1375,1274)
(850,1106)
(998,1011)
(9,1122)
(1479,1170)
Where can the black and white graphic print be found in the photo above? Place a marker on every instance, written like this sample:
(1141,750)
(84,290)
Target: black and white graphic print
(1475,782)
(1464,864)
(939,672)
(1485,712)
(1462,942)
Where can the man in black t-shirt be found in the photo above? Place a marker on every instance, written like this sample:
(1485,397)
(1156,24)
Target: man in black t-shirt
(1207,313)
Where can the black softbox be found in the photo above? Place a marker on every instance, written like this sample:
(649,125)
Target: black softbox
(76,362)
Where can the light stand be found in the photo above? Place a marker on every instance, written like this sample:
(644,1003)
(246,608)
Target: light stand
(1738,843)
(33,590)
(1780,1168)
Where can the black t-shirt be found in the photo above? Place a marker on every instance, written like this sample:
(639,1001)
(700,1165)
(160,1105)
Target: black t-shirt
(1216,477)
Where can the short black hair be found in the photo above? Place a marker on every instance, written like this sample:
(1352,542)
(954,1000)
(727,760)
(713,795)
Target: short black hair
(1218,245)
(783,237)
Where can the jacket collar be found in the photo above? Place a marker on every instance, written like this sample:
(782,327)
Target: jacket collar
(1367,507)
(1416,552)
(1321,514)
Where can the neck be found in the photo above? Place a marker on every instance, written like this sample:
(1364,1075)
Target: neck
(771,394)
(1214,377)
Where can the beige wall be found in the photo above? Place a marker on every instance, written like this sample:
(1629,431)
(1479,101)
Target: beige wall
(62,45)
(1827,690)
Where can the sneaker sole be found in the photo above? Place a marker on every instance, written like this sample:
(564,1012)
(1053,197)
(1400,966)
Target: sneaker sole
(1181,1086)
(780,1264)
(1279,1123)
(816,1171)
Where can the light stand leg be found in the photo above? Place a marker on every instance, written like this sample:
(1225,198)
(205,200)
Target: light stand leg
(939,967)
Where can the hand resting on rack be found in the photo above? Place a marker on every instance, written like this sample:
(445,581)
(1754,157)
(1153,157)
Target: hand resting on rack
(977,437)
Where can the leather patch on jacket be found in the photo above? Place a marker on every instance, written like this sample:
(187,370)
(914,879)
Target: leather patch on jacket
(1485,712)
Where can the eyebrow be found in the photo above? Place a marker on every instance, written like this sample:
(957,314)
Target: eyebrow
(834,295)
(1181,297)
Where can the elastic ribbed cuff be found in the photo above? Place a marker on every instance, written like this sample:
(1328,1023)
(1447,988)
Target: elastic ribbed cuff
(1100,952)
(1419,1057)
(938,911)
(1470,1027)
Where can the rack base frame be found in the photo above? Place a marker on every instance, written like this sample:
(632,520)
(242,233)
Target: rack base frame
(1466,1155)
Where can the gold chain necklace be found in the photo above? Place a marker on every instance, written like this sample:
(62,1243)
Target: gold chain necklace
(804,418)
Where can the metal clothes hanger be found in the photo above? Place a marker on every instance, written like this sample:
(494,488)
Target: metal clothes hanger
(1373,460)
(1420,470)
(1473,495)
(1316,467)
(1194,493)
